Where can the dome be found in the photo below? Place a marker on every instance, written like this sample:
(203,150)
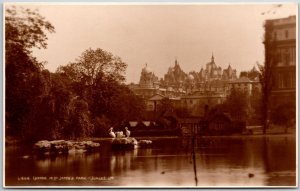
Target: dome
(147,69)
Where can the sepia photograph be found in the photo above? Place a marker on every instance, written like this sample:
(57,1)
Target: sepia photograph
(150,95)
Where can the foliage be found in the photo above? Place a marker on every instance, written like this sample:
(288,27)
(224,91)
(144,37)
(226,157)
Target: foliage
(96,78)
(80,125)
(182,112)
(80,99)
(266,73)
(164,106)
(101,126)
(284,114)
(252,74)
(116,101)
(25,82)
(25,29)
(93,64)
(237,105)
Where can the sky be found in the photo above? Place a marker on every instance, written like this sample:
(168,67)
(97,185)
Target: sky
(157,34)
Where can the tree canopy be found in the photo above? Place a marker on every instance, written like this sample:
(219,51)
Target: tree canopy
(82,98)
(25,29)
(93,64)
(25,82)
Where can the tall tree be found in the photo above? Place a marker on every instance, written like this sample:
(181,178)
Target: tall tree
(24,29)
(97,78)
(266,73)
(94,63)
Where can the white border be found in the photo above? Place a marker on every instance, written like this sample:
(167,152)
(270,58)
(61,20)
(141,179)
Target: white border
(146,3)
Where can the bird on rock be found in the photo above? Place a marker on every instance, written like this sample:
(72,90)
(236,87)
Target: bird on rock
(111,133)
(127,132)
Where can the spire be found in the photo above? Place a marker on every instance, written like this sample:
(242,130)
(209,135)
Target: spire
(229,66)
(176,62)
(212,57)
(254,69)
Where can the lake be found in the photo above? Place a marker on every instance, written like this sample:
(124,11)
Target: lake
(170,162)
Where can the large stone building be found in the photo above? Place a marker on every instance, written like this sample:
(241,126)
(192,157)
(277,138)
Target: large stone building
(194,91)
(283,34)
(244,84)
(149,86)
(213,72)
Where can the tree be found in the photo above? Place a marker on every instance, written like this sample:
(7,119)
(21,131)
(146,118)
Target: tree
(93,64)
(253,74)
(284,114)
(236,105)
(80,124)
(116,101)
(266,73)
(164,106)
(25,29)
(25,82)
(90,68)
(256,105)
(50,117)
(96,77)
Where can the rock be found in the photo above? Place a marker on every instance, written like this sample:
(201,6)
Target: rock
(42,146)
(119,134)
(145,143)
(124,143)
(64,147)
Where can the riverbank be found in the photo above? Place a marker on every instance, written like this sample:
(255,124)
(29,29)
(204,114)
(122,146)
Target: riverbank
(272,130)
(255,132)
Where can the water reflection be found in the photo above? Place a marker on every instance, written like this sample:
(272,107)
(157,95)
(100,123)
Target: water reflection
(212,161)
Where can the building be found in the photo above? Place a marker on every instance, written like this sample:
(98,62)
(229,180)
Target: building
(198,104)
(244,84)
(213,72)
(283,34)
(149,85)
(194,90)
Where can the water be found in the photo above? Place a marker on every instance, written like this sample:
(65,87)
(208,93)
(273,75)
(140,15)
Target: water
(219,161)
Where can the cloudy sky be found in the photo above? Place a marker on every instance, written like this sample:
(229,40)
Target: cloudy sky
(157,34)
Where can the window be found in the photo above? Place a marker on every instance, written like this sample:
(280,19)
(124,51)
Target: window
(255,90)
(275,35)
(285,80)
(279,55)
(286,34)
(287,57)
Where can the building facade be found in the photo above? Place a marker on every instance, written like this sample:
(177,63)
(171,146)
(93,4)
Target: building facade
(283,34)
(195,91)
